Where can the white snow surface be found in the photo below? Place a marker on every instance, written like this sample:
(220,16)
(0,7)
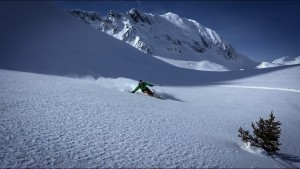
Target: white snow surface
(51,121)
(75,108)
(287,60)
(267,65)
(280,62)
(195,65)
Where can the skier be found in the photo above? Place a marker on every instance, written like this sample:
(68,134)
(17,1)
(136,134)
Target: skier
(143,86)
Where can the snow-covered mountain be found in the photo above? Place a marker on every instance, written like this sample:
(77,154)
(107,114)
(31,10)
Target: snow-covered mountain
(280,62)
(287,60)
(170,37)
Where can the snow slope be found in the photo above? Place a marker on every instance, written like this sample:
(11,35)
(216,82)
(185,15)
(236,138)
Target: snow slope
(54,42)
(90,121)
(58,122)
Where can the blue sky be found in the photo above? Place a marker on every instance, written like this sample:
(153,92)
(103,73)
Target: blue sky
(262,30)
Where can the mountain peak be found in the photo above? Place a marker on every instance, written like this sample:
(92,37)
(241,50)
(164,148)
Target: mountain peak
(138,16)
(171,14)
(171,36)
(133,11)
(113,13)
(173,18)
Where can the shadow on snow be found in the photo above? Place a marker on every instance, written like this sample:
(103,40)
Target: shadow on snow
(166,96)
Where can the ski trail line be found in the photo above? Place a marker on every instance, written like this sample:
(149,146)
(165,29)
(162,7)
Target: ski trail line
(263,88)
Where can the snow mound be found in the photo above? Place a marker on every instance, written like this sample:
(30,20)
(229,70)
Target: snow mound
(267,65)
(253,149)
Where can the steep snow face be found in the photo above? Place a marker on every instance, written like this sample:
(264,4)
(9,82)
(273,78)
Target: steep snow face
(176,20)
(52,41)
(40,38)
(169,36)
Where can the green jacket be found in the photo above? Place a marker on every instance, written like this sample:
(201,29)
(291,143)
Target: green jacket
(142,86)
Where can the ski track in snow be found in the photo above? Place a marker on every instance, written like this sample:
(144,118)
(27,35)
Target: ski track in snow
(262,88)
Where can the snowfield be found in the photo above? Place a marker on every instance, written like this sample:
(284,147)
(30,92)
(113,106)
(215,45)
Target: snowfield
(54,122)
(65,102)
(280,62)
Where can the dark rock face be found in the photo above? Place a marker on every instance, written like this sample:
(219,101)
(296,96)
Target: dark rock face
(114,14)
(87,16)
(138,17)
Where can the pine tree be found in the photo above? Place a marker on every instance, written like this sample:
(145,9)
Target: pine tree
(244,134)
(267,134)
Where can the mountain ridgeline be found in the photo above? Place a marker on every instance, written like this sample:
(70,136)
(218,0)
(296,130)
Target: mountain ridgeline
(169,36)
